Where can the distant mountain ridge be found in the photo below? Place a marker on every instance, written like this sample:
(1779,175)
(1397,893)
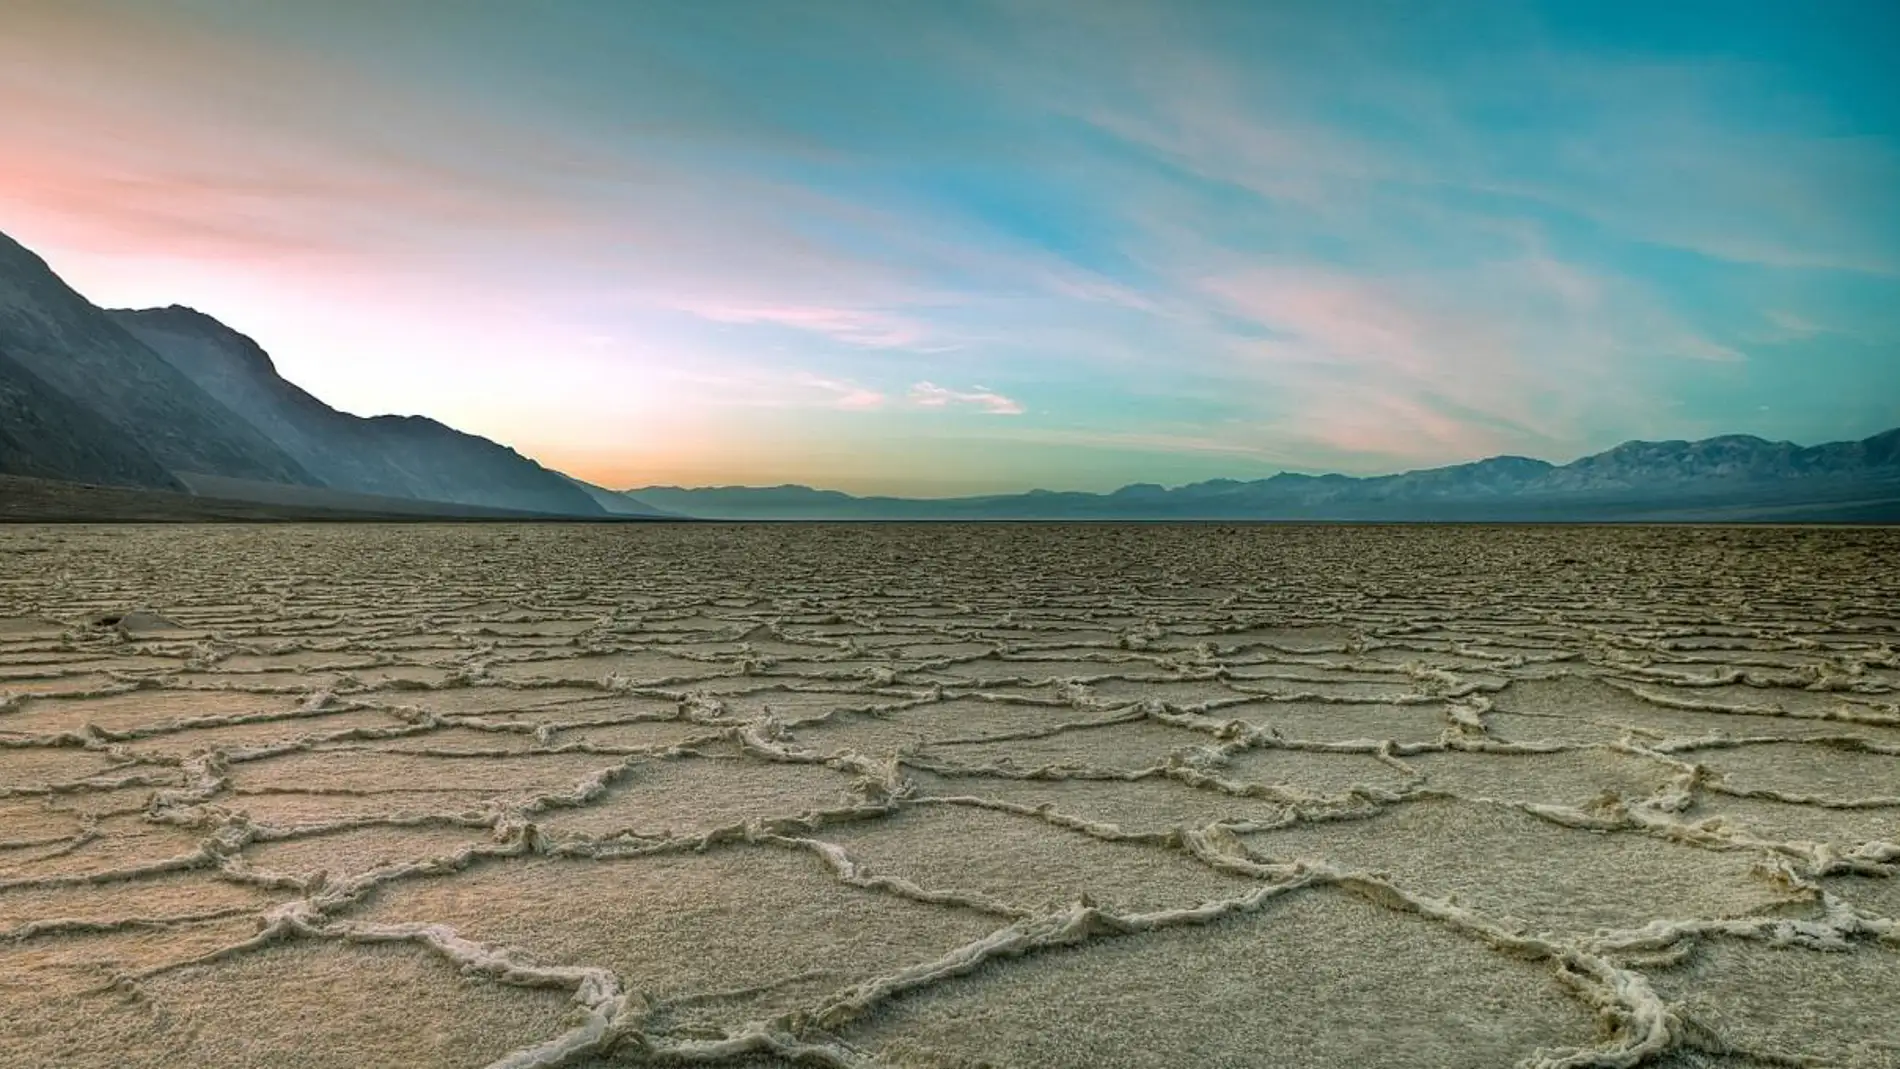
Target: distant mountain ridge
(619,504)
(1732,476)
(153,398)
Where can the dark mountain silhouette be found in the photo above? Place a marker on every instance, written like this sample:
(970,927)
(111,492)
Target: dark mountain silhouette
(70,346)
(392,456)
(172,399)
(1732,477)
(46,434)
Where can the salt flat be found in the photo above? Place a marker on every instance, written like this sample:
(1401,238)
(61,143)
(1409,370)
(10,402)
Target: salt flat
(948,796)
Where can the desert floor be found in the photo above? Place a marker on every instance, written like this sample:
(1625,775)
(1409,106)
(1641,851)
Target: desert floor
(948,796)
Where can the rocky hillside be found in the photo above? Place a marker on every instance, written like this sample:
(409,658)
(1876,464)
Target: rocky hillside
(149,398)
(391,456)
(141,405)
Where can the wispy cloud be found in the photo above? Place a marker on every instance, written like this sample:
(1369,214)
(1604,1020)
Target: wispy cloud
(930,395)
(850,396)
(852,326)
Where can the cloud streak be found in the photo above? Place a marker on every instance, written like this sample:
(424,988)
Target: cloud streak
(928,394)
(870,329)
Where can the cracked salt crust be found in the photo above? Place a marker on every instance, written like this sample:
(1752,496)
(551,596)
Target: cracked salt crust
(902,796)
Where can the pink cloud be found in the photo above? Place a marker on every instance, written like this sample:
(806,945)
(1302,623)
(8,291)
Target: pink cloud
(1340,317)
(1380,428)
(1530,346)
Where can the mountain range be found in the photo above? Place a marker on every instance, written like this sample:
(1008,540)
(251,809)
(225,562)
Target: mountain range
(1734,477)
(172,402)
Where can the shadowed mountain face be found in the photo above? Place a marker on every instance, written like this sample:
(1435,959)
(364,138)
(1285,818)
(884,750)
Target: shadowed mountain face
(45,434)
(393,456)
(140,405)
(1734,477)
(156,398)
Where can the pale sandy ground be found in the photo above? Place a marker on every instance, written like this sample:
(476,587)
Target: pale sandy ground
(949,796)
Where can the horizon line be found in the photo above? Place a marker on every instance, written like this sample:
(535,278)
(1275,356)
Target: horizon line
(1281,474)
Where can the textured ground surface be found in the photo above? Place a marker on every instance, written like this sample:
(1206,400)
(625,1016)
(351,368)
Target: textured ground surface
(949,796)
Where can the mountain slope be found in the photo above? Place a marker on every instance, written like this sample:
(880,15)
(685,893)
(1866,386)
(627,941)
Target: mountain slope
(74,349)
(390,456)
(1732,477)
(616,503)
(45,434)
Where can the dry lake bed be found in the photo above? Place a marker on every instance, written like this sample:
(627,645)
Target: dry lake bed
(949,796)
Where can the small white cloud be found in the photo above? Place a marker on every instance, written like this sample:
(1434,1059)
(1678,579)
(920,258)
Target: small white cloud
(928,394)
(861,327)
(1798,326)
(1700,348)
(847,395)
(861,399)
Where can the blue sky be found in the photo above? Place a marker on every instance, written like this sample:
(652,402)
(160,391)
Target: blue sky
(937,248)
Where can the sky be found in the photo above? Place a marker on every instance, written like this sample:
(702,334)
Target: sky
(973,246)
